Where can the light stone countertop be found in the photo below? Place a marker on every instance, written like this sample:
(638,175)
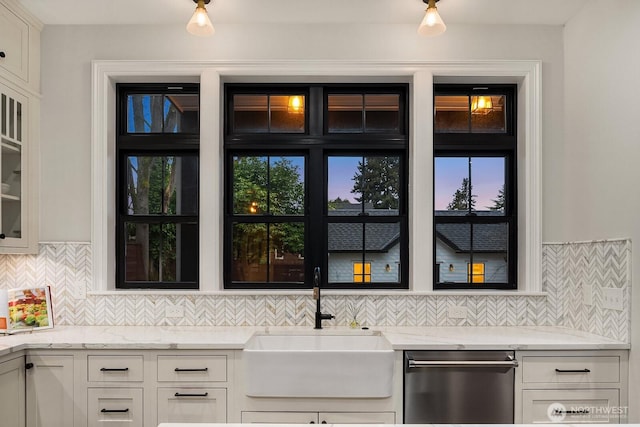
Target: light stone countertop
(235,337)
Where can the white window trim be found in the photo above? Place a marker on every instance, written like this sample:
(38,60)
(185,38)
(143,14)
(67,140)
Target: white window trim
(420,74)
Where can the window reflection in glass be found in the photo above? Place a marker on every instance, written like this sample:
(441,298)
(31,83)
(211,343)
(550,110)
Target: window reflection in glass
(269,113)
(358,113)
(470,114)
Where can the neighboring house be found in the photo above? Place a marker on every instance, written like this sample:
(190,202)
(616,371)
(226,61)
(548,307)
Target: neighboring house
(382,252)
(453,253)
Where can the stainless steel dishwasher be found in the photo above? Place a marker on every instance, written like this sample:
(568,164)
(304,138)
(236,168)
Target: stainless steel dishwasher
(459,387)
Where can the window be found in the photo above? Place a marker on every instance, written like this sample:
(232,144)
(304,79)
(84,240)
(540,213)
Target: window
(475,187)
(157,186)
(316,177)
(475,273)
(361,272)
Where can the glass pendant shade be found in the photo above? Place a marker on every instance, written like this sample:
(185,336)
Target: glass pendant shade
(200,24)
(432,24)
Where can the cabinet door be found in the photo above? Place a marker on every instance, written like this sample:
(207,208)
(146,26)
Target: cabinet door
(357,418)
(12,392)
(571,406)
(114,407)
(13,138)
(192,405)
(275,417)
(50,391)
(14,43)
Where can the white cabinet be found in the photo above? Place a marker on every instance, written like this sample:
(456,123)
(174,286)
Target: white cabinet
(571,406)
(50,390)
(571,387)
(115,407)
(14,44)
(19,129)
(285,417)
(192,405)
(18,229)
(12,392)
(192,387)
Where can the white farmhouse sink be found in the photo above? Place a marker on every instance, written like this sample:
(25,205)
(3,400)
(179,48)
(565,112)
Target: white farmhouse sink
(318,366)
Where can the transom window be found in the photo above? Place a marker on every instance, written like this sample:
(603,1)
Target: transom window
(475,218)
(316,177)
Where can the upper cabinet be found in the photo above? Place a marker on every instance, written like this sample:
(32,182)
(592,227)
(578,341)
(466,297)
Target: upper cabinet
(19,45)
(19,129)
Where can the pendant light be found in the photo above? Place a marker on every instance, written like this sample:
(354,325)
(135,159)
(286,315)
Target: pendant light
(200,24)
(432,24)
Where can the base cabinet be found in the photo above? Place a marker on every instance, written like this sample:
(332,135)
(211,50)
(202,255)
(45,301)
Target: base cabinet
(12,396)
(575,387)
(192,405)
(50,391)
(283,417)
(115,407)
(600,406)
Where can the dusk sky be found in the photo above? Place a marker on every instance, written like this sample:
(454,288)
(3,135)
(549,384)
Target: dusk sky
(487,178)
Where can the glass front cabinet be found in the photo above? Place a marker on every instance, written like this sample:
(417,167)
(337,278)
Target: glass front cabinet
(17,234)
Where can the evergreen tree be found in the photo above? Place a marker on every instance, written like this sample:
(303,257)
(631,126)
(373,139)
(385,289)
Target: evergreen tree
(377,181)
(462,198)
(498,202)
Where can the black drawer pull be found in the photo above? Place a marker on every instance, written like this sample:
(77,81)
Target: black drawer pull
(114,369)
(573,371)
(191,369)
(119,411)
(2,55)
(580,412)
(191,394)
(28,365)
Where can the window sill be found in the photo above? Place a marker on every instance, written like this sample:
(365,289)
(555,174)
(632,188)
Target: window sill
(289,292)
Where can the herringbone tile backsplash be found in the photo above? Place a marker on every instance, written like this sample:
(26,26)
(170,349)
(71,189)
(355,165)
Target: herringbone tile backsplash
(567,268)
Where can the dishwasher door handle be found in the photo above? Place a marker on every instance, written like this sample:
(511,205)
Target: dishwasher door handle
(462,363)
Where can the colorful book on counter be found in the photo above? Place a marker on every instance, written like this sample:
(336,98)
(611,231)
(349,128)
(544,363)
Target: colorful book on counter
(25,309)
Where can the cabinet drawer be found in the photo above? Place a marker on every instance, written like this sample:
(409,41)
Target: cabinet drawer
(192,405)
(14,42)
(192,368)
(570,369)
(115,407)
(115,368)
(571,406)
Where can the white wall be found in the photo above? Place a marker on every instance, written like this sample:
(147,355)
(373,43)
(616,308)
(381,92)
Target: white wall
(68,50)
(598,193)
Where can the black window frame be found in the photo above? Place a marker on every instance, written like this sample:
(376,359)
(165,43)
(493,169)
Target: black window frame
(473,145)
(317,144)
(152,144)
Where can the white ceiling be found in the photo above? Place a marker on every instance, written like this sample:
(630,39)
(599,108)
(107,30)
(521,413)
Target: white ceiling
(61,12)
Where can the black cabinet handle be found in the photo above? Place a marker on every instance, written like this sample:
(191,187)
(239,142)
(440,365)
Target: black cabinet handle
(191,394)
(2,55)
(2,236)
(119,411)
(28,365)
(114,369)
(324,422)
(580,412)
(191,369)
(573,371)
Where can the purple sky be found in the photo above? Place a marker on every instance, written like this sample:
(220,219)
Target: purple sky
(487,177)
